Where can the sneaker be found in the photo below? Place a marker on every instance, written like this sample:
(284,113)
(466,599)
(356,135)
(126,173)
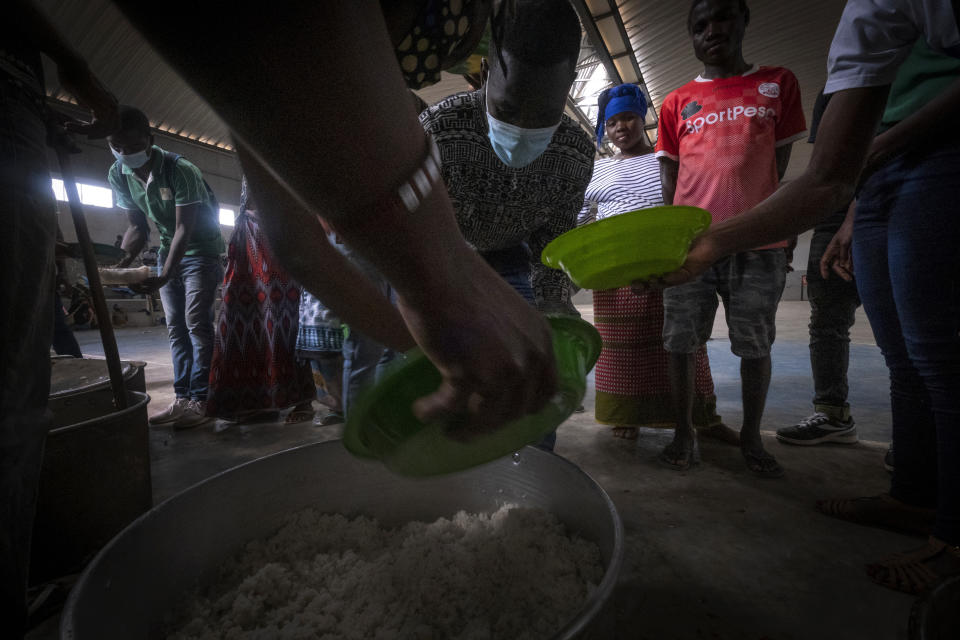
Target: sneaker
(888,460)
(325,420)
(819,428)
(172,413)
(193,416)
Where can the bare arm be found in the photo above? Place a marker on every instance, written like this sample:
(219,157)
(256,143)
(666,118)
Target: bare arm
(915,130)
(185,222)
(669,170)
(299,237)
(135,238)
(843,140)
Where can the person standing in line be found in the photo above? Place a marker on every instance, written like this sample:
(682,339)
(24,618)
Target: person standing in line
(150,182)
(632,386)
(254,368)
(724,144)
(515,166)
(833,306)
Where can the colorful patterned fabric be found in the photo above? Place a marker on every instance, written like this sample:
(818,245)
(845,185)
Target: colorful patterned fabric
(319,331)
(633,386)
(439,29)
(254,364)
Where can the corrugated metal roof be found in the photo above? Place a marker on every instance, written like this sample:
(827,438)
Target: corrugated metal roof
(795,35)
(132,70)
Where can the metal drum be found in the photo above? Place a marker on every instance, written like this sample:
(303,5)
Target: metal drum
(95,477)
(143,573)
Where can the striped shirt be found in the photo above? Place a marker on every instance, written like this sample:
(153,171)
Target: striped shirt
(620,185)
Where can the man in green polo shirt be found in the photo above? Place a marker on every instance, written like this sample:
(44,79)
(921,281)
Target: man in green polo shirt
(149,182)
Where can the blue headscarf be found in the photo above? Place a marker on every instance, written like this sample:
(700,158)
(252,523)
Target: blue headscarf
(625,97)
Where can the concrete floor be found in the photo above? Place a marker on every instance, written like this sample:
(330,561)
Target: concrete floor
(715,553)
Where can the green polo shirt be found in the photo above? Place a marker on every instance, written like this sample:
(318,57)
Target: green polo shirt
(159,201)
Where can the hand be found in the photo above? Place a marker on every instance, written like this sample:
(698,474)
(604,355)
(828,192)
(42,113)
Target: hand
(76,78)
(149,285)
(702,254)
(838,257)
(493,349)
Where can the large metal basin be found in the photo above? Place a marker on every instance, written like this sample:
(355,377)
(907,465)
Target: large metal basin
(144,572)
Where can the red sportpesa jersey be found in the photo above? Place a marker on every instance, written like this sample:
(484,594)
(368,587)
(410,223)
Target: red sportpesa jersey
(724,133)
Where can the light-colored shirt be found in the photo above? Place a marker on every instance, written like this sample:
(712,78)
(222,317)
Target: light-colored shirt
(620,185)
(875,36)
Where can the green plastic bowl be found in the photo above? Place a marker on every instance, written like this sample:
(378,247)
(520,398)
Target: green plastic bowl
(382,424)
(615,251)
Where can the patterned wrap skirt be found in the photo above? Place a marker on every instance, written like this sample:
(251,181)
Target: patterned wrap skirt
(632,380)
(254,365)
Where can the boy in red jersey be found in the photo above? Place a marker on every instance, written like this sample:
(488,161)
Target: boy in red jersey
(724,143)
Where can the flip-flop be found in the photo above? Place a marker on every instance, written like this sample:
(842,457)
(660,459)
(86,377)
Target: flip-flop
(883,511)
(762,465)
(678,458)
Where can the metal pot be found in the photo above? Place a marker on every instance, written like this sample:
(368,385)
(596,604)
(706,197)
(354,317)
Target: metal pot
(95,479)
(143,573)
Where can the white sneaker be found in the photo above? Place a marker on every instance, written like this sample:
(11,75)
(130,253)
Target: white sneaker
(172,413)
(193,416)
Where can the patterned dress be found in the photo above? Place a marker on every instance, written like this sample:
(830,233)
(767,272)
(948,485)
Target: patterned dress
(254,365)
(633,387)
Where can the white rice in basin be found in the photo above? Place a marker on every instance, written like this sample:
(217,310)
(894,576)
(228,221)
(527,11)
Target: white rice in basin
(514,574)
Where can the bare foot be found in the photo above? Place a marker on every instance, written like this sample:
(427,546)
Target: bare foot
(682,454)
(760,463)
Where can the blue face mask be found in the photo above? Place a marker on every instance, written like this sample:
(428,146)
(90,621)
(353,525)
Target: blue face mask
(132,160)
(515,146)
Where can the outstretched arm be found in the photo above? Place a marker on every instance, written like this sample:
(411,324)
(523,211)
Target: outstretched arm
(339,157)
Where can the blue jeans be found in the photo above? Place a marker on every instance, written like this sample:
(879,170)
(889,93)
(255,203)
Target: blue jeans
(514,267)
(188,304)
(28,216)
(364,359)
(833,307)
(906,251)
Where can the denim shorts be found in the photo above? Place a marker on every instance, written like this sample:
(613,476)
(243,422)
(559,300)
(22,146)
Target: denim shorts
(750,285)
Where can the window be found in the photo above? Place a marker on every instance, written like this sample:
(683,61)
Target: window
(89,194)
(227,217)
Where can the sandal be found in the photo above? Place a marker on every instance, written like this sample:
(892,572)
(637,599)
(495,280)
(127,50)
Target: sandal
(627,433)
(762,464)
(680,458)
(917,571)
(882,511)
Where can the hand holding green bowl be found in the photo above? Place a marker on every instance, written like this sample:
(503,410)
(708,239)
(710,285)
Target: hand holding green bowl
(382,424)
(615,251)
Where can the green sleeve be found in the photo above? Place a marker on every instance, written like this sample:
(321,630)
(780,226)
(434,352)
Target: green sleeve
(188,187)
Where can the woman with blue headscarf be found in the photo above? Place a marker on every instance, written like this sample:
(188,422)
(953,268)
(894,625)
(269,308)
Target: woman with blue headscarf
(633,388)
